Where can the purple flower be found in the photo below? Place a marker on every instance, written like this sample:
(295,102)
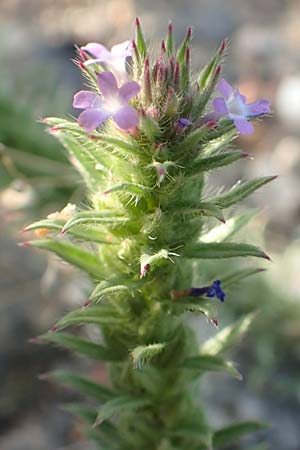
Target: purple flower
(183,122)
(214,290)
(114,60)
(234,106)
(113,103)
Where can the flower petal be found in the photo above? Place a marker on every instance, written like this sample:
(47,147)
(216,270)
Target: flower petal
(220,106)
(224,88)
(243,126)
(258,108)
(122,50)
(90,119)
(126,117)
(107,84)
(86,99)
(128,91)
(97,50)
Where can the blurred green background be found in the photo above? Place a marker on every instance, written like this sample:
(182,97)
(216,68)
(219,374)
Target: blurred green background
(38,79)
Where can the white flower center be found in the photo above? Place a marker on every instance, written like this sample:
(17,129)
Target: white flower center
(112,105)
(236,107)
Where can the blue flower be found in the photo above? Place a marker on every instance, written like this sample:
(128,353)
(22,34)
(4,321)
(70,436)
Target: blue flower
(214,290)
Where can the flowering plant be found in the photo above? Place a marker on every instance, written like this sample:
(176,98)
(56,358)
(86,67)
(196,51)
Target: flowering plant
(147,137)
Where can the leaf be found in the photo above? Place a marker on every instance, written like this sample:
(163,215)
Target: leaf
(227,435)
(225,338)
(77,256)
(182,49)
(198,432)
(214,162)
(83,158)
(193,139)
(228,229)
(142,354)
(91,235)
(208,363)
(80,345)
(105,289)
(84,385)
(84,412)
(94,217)
(119,405)
(205,209)
(140,41)
(94,314)
(221,250)
(238,275)
(240,191)
(131,188)
(150,262)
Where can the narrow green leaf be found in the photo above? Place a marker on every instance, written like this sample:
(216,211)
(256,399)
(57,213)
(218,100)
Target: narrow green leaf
(140,41)
(205,209)
(84,260)
(208,363)
(94,314)
(240,191)
(185,43)
(192,140)
(225,338)
(221,250)
(103,217)
(105,289)
(142,354)
(238,275)
(80,345)
(170,40)
(81,411)
(227,435)
(119,405)
(227,230)
(131,188)
(214,162)
(84,385)
(91,235)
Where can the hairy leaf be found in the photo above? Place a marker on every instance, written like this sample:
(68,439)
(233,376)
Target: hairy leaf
(119,405)
(227,435)
(221,250)
(94,314)
(142,354)
(227,337)
(73,254)
(80,345)
(240,191)
(209,363)
(84,385)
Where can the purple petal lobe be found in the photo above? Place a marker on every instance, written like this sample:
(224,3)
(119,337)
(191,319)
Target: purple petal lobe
(86,99)
(243,126)
(107,84)
(90,119)
(128,91)
(224,88)
(220,106)
(258,108)
(126,118)
(97,50)
(123,50)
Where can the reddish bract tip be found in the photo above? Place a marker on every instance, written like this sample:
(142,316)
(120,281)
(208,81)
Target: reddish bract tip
(163,46)
(81,65)
(137,22)
(87,303)
(218,71)
(211,124)
(144,270)
(274,177)
(215,322)
(45,120)
(223,45)
(24,244)
(244,155)
(170,27)
(189,32)
(53,329)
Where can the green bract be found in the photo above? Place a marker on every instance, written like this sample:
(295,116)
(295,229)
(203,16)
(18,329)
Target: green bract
(147,226)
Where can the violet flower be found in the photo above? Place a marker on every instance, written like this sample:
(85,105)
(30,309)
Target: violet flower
(214,290)
(235,107)
(114,60)
(113,102)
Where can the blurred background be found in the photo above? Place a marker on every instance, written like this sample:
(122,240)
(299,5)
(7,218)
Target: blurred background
(37,79)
